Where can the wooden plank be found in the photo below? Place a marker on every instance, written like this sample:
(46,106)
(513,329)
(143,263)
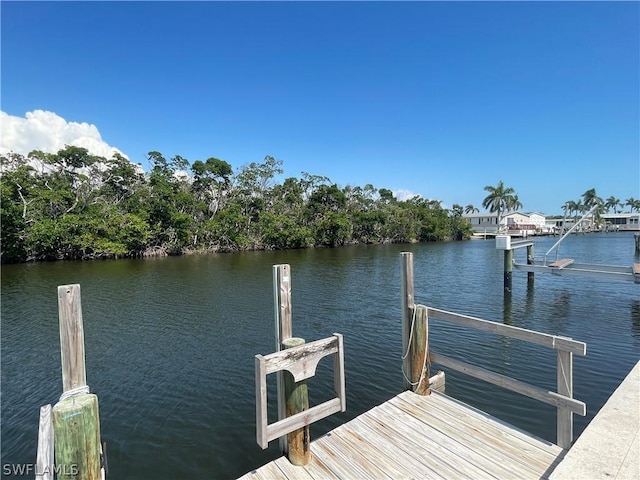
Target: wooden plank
(407,300)
(342,442)
(551,341)
(301,361)
(74,373)
(473,435)
(336,460)
(45,459)
(283,327)
(267,472)
(636,268)
(338,374)
(292,472)
(438,382)
(430,442)
(299,420)
(383,445)
(318,470)
(551,398)
(386,452)
(527,446)
(563,262)
(272,472)
(460,410)
(449,439)
(564,374)
(261,403)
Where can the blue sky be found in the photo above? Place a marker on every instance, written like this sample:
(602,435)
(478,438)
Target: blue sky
(435,98)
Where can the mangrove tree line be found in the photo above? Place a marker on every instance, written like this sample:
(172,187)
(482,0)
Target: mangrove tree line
(73,205)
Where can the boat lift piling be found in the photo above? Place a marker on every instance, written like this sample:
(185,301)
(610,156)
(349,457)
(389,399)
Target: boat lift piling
(504,242)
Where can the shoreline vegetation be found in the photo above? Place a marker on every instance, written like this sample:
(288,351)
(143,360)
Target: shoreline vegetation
(72,205)
(75,206)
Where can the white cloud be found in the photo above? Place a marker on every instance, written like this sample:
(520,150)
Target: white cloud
(403,195)
(49,132)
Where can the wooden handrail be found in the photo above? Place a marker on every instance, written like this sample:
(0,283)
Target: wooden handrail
(565,347)
(551,341)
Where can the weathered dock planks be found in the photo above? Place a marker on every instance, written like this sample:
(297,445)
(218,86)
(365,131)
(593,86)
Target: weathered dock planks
(422,437)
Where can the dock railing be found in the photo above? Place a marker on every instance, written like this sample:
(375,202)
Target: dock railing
(565,347)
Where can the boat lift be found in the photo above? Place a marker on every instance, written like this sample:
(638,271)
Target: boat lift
(562,266)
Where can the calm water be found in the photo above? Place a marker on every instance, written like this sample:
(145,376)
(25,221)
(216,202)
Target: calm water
(171,342)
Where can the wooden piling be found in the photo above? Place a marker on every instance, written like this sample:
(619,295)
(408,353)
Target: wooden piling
(296,400)
(74,374)
(407,303)
(76,422)
(284,329)
(77,438)
(508,268)
(418,352)
(636,237)
(530,257)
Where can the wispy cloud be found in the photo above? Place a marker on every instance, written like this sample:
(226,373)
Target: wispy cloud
(49,132)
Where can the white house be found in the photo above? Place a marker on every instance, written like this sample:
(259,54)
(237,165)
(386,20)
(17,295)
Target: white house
(532,222)
(620,221)
(517,223)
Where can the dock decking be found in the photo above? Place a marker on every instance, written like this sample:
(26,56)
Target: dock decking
(422,437)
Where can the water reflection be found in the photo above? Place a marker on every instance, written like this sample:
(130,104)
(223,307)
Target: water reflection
(507,308)
(635,318)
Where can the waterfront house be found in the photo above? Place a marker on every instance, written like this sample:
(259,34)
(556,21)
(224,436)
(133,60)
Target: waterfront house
(515,223)
(620,222)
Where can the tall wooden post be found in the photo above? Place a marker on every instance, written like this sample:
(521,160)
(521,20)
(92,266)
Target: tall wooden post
(296,401)
(76,421)
(508,268)
(284,330)
(418,352)
(530,257)
(407,303)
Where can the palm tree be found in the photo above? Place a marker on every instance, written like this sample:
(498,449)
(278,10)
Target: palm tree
(612,202)
(499,198)
(632,203)
(513,203)
(471,209)
(590,198)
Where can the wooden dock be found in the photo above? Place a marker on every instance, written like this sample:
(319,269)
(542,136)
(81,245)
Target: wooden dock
(421,437)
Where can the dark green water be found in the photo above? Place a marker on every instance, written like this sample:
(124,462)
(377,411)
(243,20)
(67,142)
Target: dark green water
(171,342)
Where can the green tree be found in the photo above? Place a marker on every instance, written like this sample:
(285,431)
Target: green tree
(633,204)
(612,203)
(590,198)
(471,209)
(499,199)
(210,180)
